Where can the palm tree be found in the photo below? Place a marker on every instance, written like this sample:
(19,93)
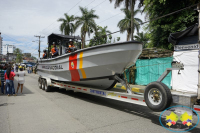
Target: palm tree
(67,27)
(101,33)
(142,37)
(125,24)
(87,22)
(129,4)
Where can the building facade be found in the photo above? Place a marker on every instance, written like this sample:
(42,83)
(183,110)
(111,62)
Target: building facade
(8,49)
(1,43)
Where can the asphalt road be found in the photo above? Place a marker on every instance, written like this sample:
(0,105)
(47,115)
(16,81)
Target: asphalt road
(61,111)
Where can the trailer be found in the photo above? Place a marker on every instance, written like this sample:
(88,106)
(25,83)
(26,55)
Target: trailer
(157,95)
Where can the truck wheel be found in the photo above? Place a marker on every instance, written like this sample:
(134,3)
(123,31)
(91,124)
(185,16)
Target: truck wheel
(40,83)
(43,84)
(157,96)
(46,88)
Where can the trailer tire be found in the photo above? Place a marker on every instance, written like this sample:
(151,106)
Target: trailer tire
(43,84)
(47,88)
(169,93)
(40,83)
(157,96)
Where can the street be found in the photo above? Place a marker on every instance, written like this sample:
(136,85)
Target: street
(61,111)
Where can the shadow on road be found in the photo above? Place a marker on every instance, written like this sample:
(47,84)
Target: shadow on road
(134,109)
(25,89)
(6,104)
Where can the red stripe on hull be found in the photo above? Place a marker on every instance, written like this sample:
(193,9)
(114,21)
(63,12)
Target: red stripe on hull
(73,68)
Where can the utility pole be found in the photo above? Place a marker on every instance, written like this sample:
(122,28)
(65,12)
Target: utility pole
(39,44)
(198,91)
(132,10)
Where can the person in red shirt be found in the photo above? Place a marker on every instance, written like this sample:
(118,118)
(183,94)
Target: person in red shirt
(9,75)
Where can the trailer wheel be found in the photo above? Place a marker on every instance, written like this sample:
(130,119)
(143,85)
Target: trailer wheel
(43,84)
(170,95)
(40,83)
(157,96)
(46,88)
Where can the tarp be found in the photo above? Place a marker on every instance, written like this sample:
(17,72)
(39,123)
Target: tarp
(188,79)
(149,70)
(185,36)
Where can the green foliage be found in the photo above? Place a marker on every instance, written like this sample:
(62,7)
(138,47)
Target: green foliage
(17,51)
(160,29)
(125,24)
(87,23)
(142,37)
(19,57)
(67,26)
(100,36)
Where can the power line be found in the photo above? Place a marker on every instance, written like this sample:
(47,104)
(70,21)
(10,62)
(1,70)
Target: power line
(74,6)
(15,40)
(85,6)
(39,42)
(99,4)
(109,18)
(156,18)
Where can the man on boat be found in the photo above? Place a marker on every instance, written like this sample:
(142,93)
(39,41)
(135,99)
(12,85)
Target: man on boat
(54,50)
(71,47)
(45,54)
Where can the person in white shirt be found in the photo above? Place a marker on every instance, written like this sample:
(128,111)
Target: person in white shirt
(21,79)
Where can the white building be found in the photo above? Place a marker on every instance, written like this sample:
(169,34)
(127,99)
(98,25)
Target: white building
(8,49)
(1,43)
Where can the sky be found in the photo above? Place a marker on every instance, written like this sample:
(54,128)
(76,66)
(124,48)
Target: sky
(20,20)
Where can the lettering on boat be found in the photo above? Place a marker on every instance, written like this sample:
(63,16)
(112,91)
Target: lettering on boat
(54,67)
(97,92)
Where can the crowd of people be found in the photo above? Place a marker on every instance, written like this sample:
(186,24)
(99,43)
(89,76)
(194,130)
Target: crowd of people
(8,72)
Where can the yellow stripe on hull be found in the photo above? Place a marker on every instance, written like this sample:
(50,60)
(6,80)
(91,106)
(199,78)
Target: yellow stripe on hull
(81,66)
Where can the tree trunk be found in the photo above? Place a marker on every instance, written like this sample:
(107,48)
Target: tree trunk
(132,10)
(128,36)
(82,41)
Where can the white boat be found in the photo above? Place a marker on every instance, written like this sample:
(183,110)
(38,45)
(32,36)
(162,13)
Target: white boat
(94,66)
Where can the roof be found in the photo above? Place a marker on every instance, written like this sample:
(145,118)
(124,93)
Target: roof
(64,36)
(189,32)
(155,53)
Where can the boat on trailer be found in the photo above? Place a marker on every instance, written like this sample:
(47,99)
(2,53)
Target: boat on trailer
(93,67)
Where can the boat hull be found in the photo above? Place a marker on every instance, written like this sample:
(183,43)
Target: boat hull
(94,67)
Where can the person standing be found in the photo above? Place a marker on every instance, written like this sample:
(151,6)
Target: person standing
(12,80)
(2,79)
(21,80)
(71,47)
(45,54)
(9,75)
(54,51)
(28,69)
(16,68)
